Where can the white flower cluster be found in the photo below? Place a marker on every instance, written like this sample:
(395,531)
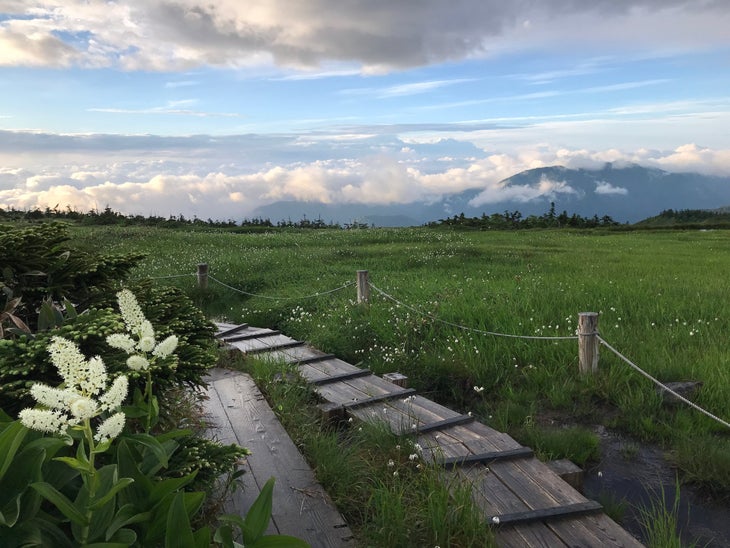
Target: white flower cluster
(83,394)
(140,329)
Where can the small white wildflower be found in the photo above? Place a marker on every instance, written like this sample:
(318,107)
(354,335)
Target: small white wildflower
(54,398)
(95,379)
(166,347)
(495,520)
(478,389)
(349,420)
(131,312)
(391,463)
(122,341)
(413,456)
(146,331)
(146,344)
(600,474)
(67,358)
(83,408)
(110,428)
(42,420)
(114,397)
(417,447)
(395,474)
(397,447)
(137,363)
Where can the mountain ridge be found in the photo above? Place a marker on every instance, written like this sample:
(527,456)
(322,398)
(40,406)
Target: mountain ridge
(627,193)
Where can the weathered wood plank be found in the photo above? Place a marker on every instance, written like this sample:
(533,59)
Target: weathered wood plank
(229,329)
(549,513)
(301,507)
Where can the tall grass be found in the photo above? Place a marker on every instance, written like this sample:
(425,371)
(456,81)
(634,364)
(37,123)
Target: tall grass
(662,299)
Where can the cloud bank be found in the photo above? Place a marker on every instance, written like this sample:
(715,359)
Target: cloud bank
(195,177)
(164,35)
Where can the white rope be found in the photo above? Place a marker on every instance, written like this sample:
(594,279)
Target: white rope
(320,294)
(481,331)
(659,383)
(167,277)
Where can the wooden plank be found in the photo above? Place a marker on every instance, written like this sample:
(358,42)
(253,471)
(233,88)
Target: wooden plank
(253,344)
(292,355)
(444,423)
(550,513)
(484,458)
(379,398)
(341,377)
(257,335)
(271,347)
(531,535)
(301,507)
(315,359)
(230,330)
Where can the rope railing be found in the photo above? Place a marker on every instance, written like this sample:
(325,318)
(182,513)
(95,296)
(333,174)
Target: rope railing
(472,329)
(583,337)
(660,384)
(312,296)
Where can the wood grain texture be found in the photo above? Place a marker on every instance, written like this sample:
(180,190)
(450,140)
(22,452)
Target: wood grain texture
(301,507)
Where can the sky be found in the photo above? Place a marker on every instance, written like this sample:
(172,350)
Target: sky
(212,109)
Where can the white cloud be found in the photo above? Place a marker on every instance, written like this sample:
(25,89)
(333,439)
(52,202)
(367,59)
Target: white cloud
(606,188)
(205,177)
(180,34)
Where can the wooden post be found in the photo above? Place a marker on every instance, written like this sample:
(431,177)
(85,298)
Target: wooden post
(588,342)
(363,287)
(203,276)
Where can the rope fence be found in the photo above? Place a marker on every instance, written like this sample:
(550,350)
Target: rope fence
(587,334)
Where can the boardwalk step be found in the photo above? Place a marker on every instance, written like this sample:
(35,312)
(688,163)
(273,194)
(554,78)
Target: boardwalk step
(440,425)
(568,510)
(381,397)
(282,346)
(492,456)
(232,330)
(342,377)
(314,359)
(258,335)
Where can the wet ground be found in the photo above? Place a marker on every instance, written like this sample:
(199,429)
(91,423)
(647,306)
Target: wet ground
(636,474)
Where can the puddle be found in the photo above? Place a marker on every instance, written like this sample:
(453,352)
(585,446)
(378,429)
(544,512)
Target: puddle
(637,474)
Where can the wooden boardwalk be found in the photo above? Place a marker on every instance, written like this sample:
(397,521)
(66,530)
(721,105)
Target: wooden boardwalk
(239,414)
(525,501)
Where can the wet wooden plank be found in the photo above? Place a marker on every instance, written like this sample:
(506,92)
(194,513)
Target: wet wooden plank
(301,507)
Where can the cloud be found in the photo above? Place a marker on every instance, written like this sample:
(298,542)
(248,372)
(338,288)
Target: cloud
(606,188)
(229,177)
(181,34)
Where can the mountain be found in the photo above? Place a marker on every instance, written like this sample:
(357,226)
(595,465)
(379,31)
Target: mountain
(626,193)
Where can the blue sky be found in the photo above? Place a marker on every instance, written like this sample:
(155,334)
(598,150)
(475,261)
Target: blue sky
(215,108)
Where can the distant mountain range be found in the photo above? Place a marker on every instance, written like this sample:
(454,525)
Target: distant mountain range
(627,194)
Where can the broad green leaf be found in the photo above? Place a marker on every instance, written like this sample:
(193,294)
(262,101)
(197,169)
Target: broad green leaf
(10,439)
(178,532)
(60,501)
(118,486)
(224,535)
(201,537)
(168,486)
(258,516)
(126,515)
(70,309)
(153,445)
(10,512)
(76,464)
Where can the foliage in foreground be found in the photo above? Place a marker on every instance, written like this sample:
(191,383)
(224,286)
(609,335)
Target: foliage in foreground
(96,478)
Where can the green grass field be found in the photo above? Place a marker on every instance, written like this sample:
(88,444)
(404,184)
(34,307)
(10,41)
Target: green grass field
(662,298)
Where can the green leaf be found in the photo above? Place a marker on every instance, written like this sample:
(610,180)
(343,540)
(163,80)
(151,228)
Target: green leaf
(60,501)
(76,464)
(70,309)
(9,514)
(168,486)
(126,515)
(201,537)
(258,516)
(153,445)
(10,439)
(178,532)
(118,486)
